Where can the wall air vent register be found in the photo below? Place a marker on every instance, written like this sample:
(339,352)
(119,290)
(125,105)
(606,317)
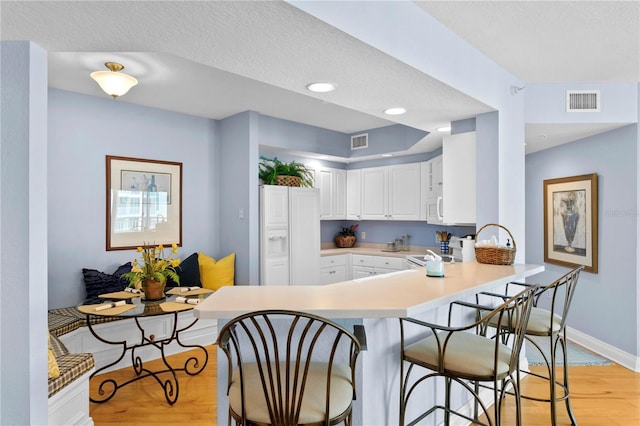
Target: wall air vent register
(360,141)
(583,101)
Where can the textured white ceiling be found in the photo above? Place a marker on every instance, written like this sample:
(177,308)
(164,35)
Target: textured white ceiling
(550,41)
(215,59)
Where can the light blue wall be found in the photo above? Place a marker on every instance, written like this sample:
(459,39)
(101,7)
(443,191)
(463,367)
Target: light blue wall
(294,136)
(239,191)
(378,231)
(546,103)
(275,133)
(387,139)
(23,234)
(82,131)
(605,305)
(487,177)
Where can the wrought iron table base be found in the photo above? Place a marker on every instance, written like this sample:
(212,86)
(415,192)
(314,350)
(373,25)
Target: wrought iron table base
(192,366)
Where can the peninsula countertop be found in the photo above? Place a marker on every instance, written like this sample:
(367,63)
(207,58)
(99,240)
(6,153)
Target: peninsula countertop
(374,249)
(393,295)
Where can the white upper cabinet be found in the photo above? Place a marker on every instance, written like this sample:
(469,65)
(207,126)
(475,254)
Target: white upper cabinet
(431,190)
(391,192)
(340,194)
(459,178)
(404,192)
(354,199)
(434,184)
(375,188)
(325,183)
(333,193)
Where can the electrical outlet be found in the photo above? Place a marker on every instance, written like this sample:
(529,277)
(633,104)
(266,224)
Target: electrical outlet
(363,235)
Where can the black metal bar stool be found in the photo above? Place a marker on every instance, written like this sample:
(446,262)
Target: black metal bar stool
(550,324)
(289,368)
(466,354)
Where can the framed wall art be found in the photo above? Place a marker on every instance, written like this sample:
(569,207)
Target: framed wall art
(143,203)
(571,221)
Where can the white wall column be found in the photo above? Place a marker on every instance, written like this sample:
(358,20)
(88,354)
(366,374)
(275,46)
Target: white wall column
(23,234)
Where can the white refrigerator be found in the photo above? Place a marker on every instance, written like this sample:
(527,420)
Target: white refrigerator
(289,235)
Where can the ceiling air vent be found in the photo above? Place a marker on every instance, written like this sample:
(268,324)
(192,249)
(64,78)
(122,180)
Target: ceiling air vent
(360,141)
(583,101)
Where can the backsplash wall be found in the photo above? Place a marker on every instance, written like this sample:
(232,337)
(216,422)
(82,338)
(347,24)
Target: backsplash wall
(381,231)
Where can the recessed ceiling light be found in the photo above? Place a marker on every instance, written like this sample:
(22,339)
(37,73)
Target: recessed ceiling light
(395,111)
(386,155)
(321,87)
(444,129)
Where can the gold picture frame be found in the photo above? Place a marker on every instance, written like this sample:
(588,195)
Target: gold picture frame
(571,221)
(143,202)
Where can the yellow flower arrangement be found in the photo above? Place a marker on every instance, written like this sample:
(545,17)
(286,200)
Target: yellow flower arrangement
(154,265)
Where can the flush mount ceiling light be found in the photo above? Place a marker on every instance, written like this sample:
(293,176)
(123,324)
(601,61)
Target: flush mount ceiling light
(114,82)
(445,129)
(395,111)
(321,87)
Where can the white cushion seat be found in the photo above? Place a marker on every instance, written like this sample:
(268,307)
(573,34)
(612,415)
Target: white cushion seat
(466,355)
(540,323)
(313,400)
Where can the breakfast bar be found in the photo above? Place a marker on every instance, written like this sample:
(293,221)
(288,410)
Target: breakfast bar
(375,302)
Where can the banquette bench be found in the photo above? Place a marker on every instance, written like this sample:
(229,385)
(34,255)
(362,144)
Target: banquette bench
(79,353)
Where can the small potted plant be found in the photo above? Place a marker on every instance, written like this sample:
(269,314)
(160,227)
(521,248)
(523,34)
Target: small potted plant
(346,237)
(275,172)
(151,274)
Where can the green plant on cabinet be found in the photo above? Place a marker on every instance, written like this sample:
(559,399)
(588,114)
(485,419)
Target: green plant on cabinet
(271,168)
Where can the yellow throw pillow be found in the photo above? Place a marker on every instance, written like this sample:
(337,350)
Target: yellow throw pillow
(215,274)
(54,370)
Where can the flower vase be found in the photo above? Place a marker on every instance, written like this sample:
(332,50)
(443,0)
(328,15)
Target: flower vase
(153,289)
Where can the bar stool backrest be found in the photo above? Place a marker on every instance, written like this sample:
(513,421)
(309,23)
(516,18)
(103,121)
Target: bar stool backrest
(562,291)
(283,347)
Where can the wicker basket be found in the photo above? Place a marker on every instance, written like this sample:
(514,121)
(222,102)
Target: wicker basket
(495,255)
(284,180)
(344,241)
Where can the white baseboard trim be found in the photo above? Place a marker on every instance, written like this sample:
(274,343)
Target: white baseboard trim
(616,355)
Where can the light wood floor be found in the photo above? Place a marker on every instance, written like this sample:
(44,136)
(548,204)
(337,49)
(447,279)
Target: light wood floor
(601,396)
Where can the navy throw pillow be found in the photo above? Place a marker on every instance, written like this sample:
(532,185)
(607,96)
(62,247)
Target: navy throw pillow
(97,282)
(189,273)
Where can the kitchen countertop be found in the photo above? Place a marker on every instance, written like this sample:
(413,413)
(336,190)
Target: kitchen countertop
(393,295)
(374,250)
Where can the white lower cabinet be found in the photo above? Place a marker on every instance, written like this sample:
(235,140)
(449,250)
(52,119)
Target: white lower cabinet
(362,272)
(333,269)
(343,267)
(364,266)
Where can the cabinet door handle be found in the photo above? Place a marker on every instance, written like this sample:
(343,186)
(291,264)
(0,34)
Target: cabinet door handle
(439,208)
